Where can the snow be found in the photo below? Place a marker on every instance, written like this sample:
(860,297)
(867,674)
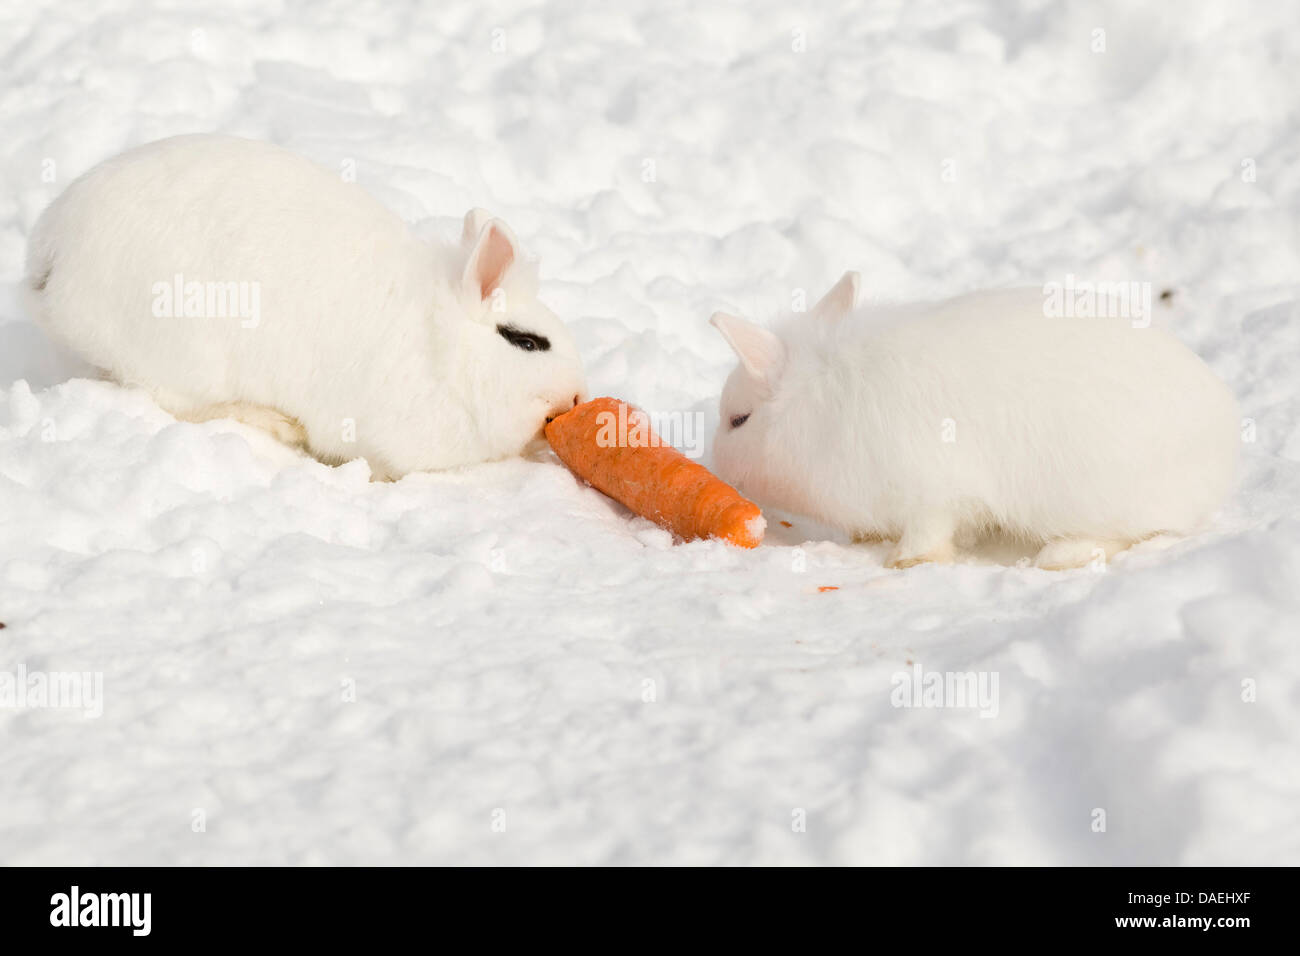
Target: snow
(498,665)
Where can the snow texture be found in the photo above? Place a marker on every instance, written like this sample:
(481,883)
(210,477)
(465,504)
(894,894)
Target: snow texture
(499,665)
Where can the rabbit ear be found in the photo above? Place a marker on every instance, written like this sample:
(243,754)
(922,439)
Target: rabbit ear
(491,257)
(761,353)
(475,220)
(837,303)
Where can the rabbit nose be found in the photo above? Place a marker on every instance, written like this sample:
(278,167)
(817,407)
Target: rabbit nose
(575,401)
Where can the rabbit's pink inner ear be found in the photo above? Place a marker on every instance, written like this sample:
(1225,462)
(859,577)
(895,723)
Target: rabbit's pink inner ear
(490,260)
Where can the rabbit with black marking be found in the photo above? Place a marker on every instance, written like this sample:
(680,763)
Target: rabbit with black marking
(935,422)
(235,279)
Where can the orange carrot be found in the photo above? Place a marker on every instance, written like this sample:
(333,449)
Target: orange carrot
(612,447)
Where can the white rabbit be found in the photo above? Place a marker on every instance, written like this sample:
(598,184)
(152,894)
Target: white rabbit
(233,278)
(946,420)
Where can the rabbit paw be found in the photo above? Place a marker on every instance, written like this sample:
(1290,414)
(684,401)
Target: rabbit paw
(930,541)
(279,426)
(1065,553)
(898,559)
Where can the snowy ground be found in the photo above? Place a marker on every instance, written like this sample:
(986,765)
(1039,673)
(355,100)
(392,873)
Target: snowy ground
(538,678)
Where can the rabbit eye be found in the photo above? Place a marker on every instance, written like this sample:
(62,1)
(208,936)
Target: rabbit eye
(528,341)
(738,420)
